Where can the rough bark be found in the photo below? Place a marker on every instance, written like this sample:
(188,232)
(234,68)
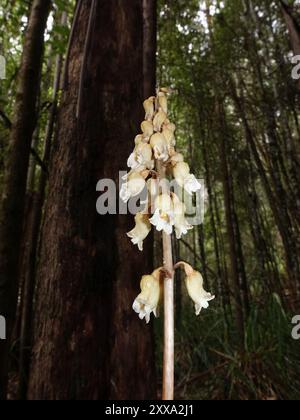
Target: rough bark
(89,344)
(30,262)
(13,200)
(150,46)
(293,27)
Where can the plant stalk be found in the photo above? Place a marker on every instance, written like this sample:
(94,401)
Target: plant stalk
(168,361)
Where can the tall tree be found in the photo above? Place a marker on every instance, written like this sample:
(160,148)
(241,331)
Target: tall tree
(231,230)
(293,27)
(32,237)
(13,199)
(150,46)
(89,272)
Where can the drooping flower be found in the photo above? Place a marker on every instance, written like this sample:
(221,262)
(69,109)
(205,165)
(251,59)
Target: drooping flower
(176,158)
(148,300)
(159,119)
(163,102)
(147,129)
(138,139)
(133,186)
(141,158)
(141,230)
(149,108)
(163,218)
(185,179)
(160,147)
(169,126)
(181,224)
(170,138)
(194,285)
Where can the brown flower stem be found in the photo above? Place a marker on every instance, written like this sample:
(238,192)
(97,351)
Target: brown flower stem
(168,362)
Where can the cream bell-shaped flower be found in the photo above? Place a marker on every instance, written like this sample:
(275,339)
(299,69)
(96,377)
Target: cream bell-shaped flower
(185,179)
(160,147)
(138,139)
(159,119)
(163,218)
(181,224)
(147,129)
(170,138)
(148,300)
(176,158)
(163,102)
(149,106)
(141,158)
(133,186)
(141,230)
(169,126)
(194,285)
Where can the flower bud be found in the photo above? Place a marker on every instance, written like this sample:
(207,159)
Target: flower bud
(163,102)
(165,90)
(149,108)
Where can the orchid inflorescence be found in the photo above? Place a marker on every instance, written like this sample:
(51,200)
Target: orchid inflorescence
(156,146)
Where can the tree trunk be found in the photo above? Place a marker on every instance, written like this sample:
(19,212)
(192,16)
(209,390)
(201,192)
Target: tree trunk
(239,252)
(30,262)
(222,280)
(267,266)
(201,243)
(13,201)
(89,344)
(292,26)
(150,46)
(283,201)
(279,211)
(231,233)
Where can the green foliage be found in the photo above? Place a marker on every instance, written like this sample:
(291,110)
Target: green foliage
(204,54)
(13,23)
(208,366)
